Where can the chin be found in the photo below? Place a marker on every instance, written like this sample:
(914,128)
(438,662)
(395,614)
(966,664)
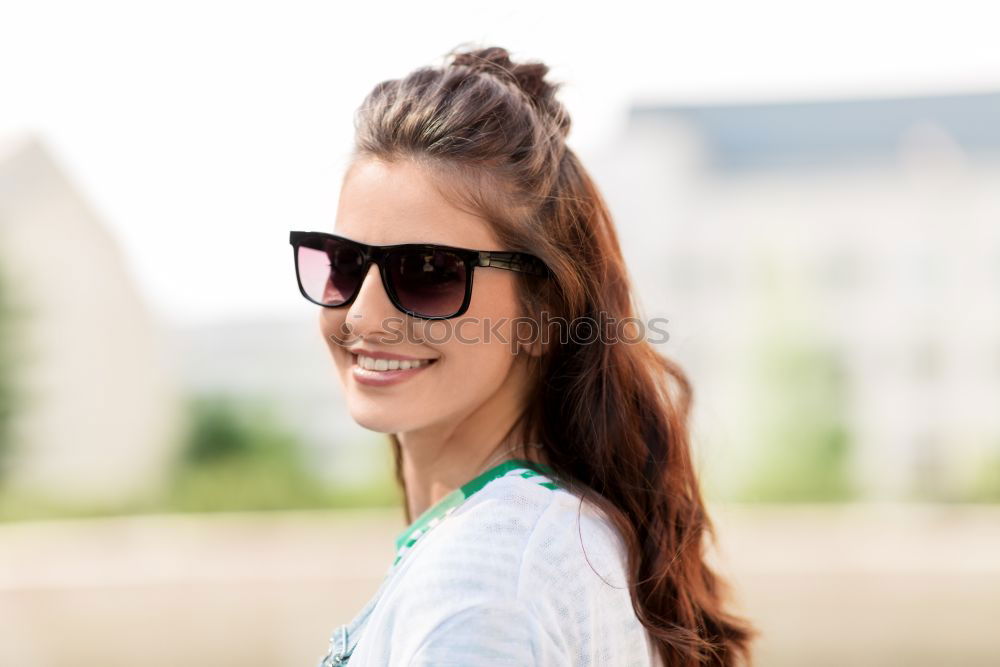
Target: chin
(381,419)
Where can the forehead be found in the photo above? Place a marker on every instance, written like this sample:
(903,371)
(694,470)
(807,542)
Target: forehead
(384,203)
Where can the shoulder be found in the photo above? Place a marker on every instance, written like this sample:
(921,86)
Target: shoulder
(518,567)
(516,531)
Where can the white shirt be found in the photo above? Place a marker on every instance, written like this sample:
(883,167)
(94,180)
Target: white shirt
(503,579)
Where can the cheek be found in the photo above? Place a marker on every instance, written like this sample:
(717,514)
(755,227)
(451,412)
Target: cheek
(331,326)
(475,369)
(479,345)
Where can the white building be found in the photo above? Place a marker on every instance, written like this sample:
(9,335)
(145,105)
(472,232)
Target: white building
(102,411)
(867,230)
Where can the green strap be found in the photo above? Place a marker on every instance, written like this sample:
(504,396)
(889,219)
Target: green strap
(430,517)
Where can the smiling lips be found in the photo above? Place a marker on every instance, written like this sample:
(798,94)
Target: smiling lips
(381,371)
(373,364)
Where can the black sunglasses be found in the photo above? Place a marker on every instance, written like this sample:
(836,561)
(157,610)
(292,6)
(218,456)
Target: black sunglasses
(425,280)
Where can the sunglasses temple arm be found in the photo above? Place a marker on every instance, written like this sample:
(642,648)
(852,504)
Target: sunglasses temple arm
(511,261)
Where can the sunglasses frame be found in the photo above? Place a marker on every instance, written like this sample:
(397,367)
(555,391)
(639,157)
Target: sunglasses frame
(509,260)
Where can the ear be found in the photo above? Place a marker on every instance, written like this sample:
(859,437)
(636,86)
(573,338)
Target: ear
(527,337)
(532,348)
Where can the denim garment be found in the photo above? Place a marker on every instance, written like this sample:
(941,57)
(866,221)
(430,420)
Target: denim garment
(345,637)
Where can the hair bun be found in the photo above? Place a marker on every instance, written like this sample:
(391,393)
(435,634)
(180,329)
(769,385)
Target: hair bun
(528,76)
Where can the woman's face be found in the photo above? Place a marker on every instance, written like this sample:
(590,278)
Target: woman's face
(383,204)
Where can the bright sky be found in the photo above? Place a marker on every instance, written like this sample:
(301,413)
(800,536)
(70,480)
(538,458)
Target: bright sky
(203,131)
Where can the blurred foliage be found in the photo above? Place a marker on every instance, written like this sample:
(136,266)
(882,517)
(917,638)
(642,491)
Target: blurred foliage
(801,440)
(804,451)
(6,377)
(9,395)
(237,456)
(985,487)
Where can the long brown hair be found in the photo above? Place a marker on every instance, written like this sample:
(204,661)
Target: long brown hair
(611,417)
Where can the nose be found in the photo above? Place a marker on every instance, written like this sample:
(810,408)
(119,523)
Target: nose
(370,309)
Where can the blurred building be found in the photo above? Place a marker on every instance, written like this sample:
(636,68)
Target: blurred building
(860,235)
(100,412)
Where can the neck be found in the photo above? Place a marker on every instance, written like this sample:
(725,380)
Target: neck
(438,459)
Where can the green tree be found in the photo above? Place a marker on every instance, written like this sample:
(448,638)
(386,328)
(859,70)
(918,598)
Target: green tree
(9,397)
(802,442)
(237,455)
(800,395)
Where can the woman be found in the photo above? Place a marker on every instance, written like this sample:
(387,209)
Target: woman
(559,519)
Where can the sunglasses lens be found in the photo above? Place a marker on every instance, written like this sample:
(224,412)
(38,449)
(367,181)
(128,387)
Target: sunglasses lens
(330,271)
(428,282)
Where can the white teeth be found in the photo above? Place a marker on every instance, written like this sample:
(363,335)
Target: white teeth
(372,364)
